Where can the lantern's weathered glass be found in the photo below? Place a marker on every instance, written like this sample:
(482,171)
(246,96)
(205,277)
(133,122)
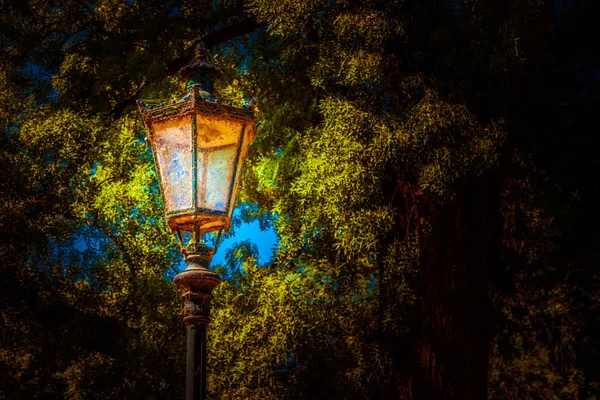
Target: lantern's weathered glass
(214,181)
(200,147)
(173,140)
(217,142)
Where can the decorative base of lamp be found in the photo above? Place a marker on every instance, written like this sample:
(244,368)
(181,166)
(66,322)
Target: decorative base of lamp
(198,283)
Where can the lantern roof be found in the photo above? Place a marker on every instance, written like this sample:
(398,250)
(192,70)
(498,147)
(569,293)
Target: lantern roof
(195,104)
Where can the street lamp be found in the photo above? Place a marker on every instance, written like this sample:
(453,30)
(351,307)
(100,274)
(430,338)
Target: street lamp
(199,146)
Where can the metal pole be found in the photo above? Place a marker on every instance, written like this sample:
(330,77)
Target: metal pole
(196,362)
(198,283)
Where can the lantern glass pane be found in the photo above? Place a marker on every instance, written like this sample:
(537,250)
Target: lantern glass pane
(217,132)
(173,139)
(215,181)
(217,141)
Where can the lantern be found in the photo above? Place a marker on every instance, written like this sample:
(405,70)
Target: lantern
(200,146)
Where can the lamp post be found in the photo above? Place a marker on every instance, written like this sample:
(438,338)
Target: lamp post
(199,146)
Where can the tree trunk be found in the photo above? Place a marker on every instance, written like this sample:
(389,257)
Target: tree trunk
(448,356)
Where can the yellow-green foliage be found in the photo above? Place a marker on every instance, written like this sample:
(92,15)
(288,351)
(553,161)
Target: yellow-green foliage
(368,111)
(274,330)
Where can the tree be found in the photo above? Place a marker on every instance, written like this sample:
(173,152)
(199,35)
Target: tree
(442,142)
(405,158)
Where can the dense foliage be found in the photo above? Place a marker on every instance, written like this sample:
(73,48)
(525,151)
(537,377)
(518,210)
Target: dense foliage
(426,166)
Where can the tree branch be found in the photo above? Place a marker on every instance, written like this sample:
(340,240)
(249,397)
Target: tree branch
(226,34)
(240,28)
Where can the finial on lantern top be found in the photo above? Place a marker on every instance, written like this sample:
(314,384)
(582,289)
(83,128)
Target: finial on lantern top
(199,70)
(201,52)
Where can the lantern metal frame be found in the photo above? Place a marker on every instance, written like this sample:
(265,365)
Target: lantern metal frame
(208,219)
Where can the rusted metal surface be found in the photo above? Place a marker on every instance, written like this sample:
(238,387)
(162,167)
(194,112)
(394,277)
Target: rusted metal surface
(199,64)
(198,283)
(197,105)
